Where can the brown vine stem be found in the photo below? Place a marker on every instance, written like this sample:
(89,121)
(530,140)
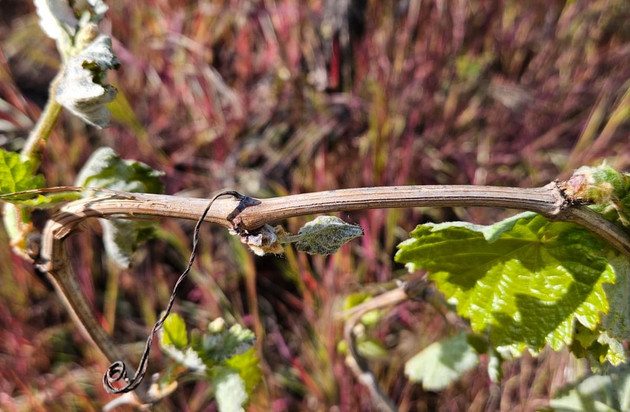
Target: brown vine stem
(547,201)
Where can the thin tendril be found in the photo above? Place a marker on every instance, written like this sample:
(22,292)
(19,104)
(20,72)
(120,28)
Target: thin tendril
(117,371)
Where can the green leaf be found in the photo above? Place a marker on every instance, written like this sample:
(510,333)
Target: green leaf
(229,390)
(247,365)
(220,344)
(17,175)
(525,279)
(105,169)
(441,363)
(597,346)
(324,235)
(610,393)
(81,89)
(174,331)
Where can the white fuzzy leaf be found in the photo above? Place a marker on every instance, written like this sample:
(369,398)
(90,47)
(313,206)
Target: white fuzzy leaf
(56,18)
(81,89)
(99,7)
(230,392)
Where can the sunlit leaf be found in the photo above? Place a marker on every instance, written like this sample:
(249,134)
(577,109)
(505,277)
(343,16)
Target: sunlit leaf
(247,365)
(526,280)
(174,331)
(16,174)
(441,363)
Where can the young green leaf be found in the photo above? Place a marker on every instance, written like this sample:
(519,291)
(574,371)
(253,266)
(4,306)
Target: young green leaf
(247,365)
(527,281)
(441,363)
(218,345)
(105,169)
(16,174)
(324,235)
(226,356)
(174,331)
(81,89)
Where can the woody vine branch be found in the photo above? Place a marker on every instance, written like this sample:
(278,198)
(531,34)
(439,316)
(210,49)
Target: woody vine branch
(549,201)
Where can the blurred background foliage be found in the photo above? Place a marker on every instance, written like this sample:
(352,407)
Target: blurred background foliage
(273,97)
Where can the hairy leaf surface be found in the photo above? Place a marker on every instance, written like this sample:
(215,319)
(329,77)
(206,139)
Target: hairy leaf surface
(324,235)
(81,88)
(230,391)
(220,344)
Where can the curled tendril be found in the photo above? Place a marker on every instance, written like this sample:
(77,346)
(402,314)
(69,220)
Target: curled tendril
(117,371)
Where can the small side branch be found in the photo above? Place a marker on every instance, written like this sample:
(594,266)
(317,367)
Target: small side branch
(358,363)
